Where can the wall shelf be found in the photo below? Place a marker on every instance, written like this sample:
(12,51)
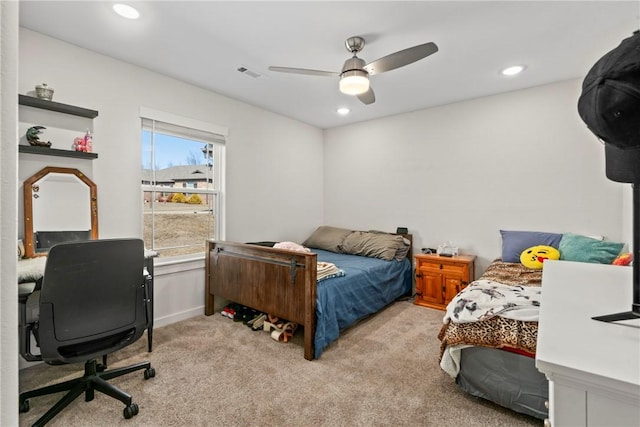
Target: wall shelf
(33,149)
(59,107)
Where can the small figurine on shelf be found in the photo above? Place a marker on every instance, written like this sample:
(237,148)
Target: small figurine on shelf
(78,143)
(44,92)
(84,144)
(32,136)
(88,141)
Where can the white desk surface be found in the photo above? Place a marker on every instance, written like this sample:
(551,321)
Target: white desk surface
(570,342)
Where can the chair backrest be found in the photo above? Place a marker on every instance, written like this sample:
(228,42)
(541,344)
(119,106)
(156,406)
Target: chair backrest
(92,300)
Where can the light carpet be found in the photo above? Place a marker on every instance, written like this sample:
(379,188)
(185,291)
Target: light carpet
(211,371)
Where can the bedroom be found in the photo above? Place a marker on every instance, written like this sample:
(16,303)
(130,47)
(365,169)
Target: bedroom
(434,170)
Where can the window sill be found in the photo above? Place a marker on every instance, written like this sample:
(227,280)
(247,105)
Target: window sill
(178,264)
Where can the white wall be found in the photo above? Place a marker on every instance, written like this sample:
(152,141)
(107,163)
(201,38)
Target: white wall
(461,172)
(8,213)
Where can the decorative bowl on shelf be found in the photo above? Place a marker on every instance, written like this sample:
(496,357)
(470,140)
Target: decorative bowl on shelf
(44,92)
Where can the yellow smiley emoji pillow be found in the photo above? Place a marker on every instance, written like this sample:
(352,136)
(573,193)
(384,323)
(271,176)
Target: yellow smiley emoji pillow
(534,256)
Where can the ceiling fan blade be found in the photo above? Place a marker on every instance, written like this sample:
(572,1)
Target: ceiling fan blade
(401,58)
(304,71)
(368,97)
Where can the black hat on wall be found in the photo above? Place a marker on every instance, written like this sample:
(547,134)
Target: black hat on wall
(610,99)
(610,106)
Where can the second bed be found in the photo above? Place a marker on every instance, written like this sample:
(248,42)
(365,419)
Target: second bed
(488,341)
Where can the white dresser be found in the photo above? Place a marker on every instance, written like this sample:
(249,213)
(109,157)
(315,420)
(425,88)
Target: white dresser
(593,367)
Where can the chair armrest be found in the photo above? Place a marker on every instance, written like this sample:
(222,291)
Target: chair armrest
(25,332)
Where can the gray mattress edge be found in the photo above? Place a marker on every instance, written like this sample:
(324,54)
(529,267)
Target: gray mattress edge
(509,379)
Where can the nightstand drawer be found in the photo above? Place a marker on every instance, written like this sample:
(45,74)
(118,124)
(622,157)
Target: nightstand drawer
(444,267)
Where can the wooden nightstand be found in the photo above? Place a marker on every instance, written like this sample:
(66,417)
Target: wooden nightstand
(439,279)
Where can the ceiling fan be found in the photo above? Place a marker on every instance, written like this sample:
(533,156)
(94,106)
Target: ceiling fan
(354,76)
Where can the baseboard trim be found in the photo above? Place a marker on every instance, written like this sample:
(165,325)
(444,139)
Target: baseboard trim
(177,317)
(157,323)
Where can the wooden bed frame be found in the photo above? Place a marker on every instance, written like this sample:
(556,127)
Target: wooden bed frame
(275,281)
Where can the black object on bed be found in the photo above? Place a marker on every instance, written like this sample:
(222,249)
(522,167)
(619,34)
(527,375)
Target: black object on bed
(263,243)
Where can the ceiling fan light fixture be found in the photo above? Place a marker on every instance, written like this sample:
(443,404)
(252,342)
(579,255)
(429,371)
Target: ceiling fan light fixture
(354,82)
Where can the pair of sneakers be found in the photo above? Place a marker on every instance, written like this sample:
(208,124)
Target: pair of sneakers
(229,311)
(257,323)
(245,314)
(240,313)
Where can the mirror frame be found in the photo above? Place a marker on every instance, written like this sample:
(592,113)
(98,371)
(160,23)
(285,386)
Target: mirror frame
(30,251)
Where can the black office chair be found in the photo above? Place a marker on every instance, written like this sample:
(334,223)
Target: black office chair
(93,301)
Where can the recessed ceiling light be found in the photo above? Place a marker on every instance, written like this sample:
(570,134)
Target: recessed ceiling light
(343,111)
(512,71)
(126,11)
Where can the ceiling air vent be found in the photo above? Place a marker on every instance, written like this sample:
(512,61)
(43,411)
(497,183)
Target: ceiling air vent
(248,72)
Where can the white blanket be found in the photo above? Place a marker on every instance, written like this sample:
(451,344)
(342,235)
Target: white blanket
(484,299)
(291,246)
(450,362)
(327,270)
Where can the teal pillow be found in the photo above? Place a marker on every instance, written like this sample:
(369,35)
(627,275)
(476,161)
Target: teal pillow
(574,247)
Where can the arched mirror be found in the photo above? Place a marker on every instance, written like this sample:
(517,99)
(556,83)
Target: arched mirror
(60,205)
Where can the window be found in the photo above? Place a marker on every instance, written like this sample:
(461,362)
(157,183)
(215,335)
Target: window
(181,183)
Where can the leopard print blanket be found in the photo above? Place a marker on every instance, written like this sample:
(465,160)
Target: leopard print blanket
(512,273)
(497,332)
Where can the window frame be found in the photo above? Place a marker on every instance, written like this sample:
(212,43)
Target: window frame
(207,133)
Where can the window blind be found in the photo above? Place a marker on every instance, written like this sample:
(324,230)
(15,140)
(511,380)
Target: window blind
(182,127)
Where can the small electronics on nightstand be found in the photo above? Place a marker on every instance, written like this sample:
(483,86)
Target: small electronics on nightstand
(447,249)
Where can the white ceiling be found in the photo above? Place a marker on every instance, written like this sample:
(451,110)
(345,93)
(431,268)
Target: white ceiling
(204,42)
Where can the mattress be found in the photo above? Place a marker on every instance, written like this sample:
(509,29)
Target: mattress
(368,285)
(506,378)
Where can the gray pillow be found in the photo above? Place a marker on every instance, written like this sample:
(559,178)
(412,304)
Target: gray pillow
(403,251)
(374,245)
(327,238)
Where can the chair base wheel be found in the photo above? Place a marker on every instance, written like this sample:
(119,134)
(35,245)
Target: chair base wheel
(130,410)
(149,373)
(24,406)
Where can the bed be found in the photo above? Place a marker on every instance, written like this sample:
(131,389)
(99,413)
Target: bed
(492,356)
(489,336)
(285,283)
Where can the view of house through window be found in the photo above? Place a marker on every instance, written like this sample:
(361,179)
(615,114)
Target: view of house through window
(180,188)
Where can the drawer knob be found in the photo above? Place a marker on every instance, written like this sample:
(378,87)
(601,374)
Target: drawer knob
(547,422)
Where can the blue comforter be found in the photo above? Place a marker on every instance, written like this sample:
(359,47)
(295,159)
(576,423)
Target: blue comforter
(368,285)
